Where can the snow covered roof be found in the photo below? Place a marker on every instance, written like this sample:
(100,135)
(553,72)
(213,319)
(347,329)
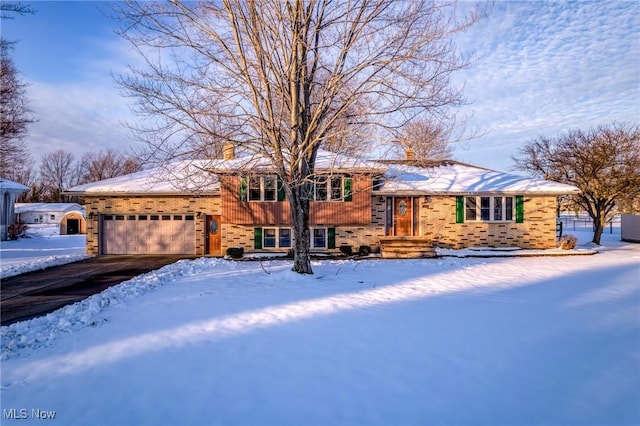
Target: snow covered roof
(179,177)
(325,160)
(448,177)
(458,178)
(47,207)
(8,185)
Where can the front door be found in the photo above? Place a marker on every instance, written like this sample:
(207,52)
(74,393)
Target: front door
(403,217)
(214,240)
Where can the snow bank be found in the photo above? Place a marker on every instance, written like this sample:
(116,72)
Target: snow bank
(42,331)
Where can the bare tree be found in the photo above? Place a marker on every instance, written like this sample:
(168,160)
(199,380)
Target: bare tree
(428,139)
(106,164)
(603,162)
(277,77)
(58,171)
(15,114)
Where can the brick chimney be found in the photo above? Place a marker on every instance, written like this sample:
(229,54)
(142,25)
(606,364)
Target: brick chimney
(228,152)
(410,154)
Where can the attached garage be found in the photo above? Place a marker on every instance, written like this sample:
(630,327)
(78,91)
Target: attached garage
(148,234)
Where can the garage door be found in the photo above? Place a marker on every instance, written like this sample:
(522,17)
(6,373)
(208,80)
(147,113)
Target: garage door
(148,234)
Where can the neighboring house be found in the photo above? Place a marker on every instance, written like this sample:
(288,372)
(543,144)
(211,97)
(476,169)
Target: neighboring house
(206,207)
(70,216)
(9,191)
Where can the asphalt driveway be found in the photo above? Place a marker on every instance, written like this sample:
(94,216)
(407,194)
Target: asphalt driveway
(37,293)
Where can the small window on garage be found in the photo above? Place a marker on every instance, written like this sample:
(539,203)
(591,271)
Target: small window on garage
(142,217)
(177,217)
(166,217)
(188,217)
(119,217)
(155,217)
(108,217)
(131,217)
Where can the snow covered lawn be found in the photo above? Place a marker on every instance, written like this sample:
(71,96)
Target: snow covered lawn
(473,341)
(43,247)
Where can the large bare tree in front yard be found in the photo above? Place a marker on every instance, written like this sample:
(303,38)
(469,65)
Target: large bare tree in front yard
(603,162)
(280,78)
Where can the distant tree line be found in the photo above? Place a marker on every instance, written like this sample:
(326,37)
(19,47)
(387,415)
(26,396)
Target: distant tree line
(59,170)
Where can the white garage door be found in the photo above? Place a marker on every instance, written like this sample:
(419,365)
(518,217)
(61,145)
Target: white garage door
(148,234)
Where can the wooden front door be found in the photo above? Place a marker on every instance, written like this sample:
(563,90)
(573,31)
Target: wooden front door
(403,217)
(214,240)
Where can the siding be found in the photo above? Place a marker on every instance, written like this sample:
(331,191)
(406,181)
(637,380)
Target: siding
(355,212)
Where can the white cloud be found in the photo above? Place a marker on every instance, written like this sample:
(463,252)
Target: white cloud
(549,67)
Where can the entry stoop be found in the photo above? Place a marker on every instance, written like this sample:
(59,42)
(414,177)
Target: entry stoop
(406,247)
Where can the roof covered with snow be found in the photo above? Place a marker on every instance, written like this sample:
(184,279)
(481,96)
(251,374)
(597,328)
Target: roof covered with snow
(179,177)
(47,207)
(325,161)
(458,178)
(8,185)
(447,177)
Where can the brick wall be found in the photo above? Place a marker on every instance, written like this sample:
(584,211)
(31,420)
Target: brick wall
(437,221)
(187,204)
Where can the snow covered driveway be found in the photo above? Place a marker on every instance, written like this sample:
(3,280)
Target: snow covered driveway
(522,341)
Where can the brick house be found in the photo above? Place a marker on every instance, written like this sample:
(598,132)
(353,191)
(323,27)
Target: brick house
(205,207)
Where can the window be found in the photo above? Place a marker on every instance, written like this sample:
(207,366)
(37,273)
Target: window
(285,238)
(52,217)
(508,213)
(487,209)
(272,238)
(255,193)
(470,208)
(262,188)
(319,238)
(269,237)
(335,188)
(497,208)
(270,188)
(320,188)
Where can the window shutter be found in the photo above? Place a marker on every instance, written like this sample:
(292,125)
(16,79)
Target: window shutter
(348,195)
(257,238)
(243,189)
(331,238)
(519,209)
(281,193)
(460,209)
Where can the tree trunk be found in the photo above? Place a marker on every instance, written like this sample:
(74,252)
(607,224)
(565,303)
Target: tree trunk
(301,242)
(598,227)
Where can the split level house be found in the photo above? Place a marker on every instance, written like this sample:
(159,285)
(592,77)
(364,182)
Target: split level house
(205,207)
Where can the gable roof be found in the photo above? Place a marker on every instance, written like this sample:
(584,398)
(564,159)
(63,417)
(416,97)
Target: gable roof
(450,177)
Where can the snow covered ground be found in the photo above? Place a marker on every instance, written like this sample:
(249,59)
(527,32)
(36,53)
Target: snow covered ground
(451,341)
(43,247)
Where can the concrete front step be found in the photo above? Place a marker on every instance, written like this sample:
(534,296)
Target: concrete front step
(406,248)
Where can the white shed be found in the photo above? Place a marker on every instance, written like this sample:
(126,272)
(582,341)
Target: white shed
(69,216)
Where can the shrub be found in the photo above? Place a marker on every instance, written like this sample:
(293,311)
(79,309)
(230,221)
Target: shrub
(16,230)
(568,242)
(235,252)
(346,250)
(364,250)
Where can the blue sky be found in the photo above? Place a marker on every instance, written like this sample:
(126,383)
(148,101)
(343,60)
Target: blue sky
(543,68)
